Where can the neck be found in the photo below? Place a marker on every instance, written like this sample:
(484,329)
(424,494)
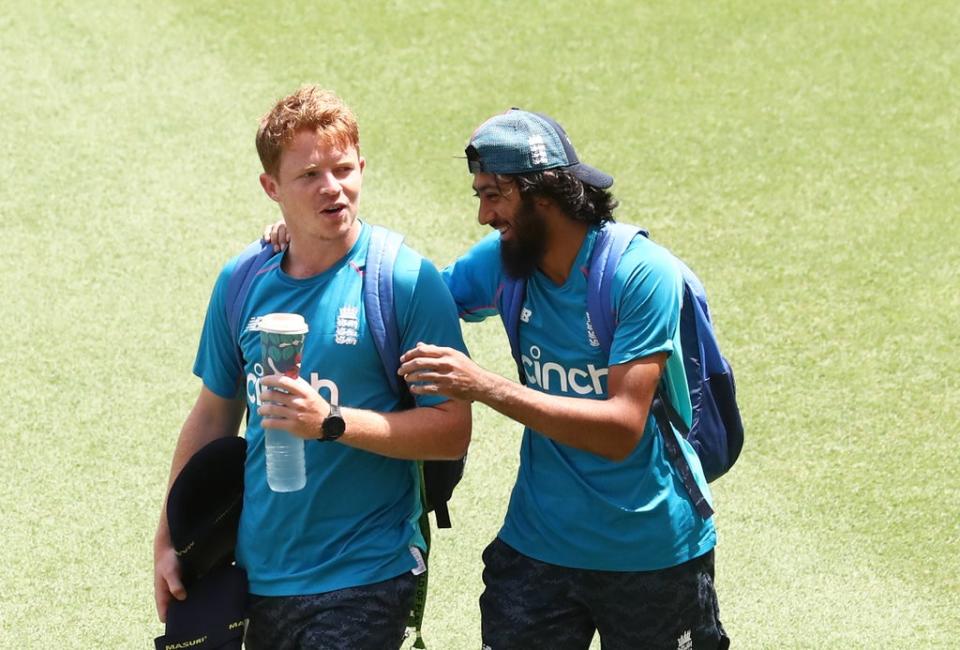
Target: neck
(564,238)
(311,255)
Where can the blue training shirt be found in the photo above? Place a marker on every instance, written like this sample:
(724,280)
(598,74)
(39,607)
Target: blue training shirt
(357,518)
(570,507)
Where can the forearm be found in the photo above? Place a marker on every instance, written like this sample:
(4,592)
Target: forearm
(422,433)
(601,427)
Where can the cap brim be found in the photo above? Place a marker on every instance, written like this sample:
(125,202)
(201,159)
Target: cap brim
(591,175)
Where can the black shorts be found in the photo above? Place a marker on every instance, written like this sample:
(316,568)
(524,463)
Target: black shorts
(527,605)
(371,617)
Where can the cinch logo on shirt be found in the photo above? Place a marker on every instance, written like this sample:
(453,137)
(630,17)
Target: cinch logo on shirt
(254,389)
(565,380)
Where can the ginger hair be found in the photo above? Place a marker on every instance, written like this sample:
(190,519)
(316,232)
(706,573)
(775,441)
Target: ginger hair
(310,107)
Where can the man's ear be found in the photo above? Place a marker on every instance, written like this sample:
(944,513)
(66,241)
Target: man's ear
(544,204)
(269,185)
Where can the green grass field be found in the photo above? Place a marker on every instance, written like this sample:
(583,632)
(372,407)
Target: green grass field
(802,157)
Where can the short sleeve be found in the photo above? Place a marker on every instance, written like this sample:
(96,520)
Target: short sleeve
(425,310)
(474,279)
(217,362)
(647,293)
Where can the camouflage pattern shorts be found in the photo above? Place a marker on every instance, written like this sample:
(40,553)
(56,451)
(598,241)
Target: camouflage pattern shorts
(371,617)
(528,605)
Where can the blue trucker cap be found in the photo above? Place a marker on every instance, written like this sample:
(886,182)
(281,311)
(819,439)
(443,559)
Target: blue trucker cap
(519,142)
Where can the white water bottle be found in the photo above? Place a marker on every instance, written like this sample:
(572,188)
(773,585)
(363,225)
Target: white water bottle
(286,467)
(281,342)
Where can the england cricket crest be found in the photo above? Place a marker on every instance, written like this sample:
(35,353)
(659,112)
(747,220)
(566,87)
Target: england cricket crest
(348,325)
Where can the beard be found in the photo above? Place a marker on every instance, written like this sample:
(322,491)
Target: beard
(522,254)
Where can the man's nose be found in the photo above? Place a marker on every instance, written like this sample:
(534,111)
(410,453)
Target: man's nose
(329,185)
(485,215)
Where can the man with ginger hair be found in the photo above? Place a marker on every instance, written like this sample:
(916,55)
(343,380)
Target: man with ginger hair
(333,564)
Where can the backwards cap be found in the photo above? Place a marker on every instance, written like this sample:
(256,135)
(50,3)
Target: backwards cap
(519,142)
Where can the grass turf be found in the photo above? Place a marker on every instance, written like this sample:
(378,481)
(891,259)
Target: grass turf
(802,157)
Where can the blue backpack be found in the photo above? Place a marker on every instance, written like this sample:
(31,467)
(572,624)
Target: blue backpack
(717,430)
(440,477)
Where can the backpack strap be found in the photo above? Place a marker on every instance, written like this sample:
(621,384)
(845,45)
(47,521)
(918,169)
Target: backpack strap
(611,242)
(378,303)
(660,409)
(509,300)
(251,262)
(608,247)
(379,310)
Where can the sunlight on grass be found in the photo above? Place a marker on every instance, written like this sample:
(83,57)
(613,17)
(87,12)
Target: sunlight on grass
(801,157)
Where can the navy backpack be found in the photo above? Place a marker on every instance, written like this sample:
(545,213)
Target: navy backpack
(717,430)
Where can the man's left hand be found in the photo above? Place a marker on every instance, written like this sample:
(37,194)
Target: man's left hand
(434,370)
(296,407)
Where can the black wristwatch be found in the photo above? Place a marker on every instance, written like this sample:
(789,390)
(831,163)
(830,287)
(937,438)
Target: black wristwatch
(333,425)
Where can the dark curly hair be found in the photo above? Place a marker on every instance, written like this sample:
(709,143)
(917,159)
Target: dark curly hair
(581,201)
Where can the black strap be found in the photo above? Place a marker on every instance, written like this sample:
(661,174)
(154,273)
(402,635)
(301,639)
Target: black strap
(415,620)
(664,414)
(442,515)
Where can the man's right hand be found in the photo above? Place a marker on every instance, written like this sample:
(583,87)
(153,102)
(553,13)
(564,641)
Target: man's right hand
(166,580)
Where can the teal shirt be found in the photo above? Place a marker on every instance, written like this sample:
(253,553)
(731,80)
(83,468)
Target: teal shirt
(571,507)
(356,520)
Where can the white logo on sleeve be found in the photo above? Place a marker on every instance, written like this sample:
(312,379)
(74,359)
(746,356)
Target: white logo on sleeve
(685,642)
(525,315)
(348,326)
(538,150)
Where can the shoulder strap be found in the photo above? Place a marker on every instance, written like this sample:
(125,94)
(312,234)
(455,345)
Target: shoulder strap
(252,262)
(378,302)
(509,300)
(611,242)
(379,308)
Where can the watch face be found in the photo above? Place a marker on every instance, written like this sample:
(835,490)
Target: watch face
(333,427)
